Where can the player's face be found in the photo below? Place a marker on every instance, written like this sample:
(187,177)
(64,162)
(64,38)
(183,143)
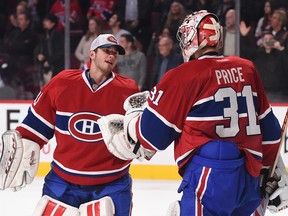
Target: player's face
(106,58)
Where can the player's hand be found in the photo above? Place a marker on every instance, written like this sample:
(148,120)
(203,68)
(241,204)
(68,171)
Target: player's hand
(278,201)
(277,187)
(271,185)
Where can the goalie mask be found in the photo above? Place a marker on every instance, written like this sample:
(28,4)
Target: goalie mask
(198,30)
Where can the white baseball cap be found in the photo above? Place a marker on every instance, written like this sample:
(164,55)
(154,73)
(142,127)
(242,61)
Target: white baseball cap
(105,41)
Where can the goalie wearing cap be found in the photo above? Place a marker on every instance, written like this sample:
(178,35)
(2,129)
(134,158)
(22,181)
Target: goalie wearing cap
(84,174)
(215,110)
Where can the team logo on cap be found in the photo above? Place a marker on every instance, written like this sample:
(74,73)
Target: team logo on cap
(112,39)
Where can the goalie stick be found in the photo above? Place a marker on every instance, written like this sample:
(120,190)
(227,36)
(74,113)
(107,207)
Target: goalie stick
(261,210)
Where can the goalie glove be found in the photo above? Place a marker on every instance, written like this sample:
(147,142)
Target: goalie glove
(111,127)
(18,162)
(278,188)
(134,106)
(116,141)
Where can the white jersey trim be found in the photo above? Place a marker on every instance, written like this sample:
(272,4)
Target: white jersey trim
(211,56)
(34,132)
(41,118)
(89,172)
(270,142)
(164,120)
(204,100)
(255,152)
(265,113)
(106,82)
(183,156)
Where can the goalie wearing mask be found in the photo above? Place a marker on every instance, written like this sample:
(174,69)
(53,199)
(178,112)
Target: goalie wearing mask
(215,110)
(85,178)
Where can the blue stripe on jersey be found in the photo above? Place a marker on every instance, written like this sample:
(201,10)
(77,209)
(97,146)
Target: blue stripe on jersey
(209,109)
(212,108)
(35,123)
(62,122)
(268,125)
(156,132)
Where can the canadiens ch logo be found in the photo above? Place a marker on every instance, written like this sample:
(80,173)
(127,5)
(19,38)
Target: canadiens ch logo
(83,126)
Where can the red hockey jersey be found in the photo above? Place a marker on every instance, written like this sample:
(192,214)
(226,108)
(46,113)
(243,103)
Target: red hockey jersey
(68,107)
(212,98)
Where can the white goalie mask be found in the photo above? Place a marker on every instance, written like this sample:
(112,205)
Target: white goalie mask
(198,30)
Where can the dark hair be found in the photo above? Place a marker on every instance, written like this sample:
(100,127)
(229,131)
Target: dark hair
(267,16)
(120,19)
(129,38)
(52,18)
(26,14)
(98,23)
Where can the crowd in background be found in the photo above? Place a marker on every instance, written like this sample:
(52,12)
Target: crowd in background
(32,39)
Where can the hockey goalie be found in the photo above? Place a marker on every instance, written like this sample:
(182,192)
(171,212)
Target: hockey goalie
(85,178)
(215,111)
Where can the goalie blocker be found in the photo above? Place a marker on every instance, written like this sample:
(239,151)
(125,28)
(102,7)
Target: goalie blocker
(18,162)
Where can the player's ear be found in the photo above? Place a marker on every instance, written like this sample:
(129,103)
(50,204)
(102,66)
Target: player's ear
(92,54)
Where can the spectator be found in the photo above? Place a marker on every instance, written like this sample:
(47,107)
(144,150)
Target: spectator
(133,64)
(175,17)
(164,60)
(116,24)
(263,24)
(51,48)
(248,47)
(58,9)
(247,39)
(272,66)
(220,8)
(137,16)
(153,47)
(82,50)
(20,44)
(229,33)
(278,30)
(21,7)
